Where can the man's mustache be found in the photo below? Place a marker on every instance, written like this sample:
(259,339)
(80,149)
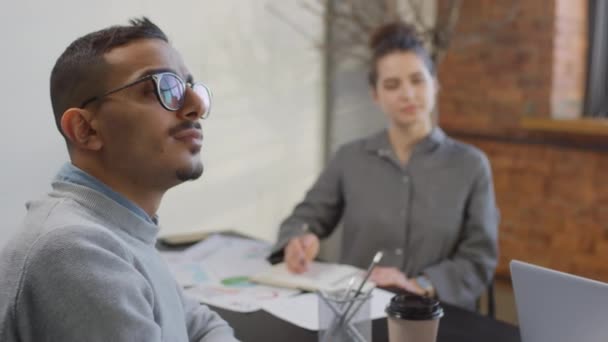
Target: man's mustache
(183,126)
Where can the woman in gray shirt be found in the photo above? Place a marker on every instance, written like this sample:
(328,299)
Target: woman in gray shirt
(409,189)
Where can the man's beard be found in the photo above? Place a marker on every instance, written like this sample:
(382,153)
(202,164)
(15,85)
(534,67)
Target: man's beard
(191,173)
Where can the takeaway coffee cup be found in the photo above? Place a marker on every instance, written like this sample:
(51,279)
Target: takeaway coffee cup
(413,318)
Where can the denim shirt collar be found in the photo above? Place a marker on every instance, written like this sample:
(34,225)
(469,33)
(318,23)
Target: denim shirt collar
(72,174)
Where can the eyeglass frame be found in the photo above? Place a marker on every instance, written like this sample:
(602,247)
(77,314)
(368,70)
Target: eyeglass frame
(156,78)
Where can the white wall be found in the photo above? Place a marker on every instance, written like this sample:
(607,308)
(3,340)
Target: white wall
(262,142)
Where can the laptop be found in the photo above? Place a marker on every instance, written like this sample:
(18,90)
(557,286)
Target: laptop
(558,307)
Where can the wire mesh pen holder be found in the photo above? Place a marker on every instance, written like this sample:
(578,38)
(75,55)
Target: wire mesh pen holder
(345,316)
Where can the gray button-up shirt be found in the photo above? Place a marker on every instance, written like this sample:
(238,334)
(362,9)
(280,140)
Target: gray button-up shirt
(435,216)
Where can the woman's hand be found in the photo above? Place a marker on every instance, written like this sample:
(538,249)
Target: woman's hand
(301,251)
(392,277)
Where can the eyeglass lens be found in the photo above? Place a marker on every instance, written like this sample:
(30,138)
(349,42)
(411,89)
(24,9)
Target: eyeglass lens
(172,93)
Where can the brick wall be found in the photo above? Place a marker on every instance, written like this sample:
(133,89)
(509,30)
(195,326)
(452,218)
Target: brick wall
(552,196)
(554,206)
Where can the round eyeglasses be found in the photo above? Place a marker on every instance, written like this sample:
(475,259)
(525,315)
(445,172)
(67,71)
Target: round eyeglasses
(170,92)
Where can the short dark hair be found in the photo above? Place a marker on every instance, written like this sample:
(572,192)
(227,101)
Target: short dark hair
(79,72)
(396,37)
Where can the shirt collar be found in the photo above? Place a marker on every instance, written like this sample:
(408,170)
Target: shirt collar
(72,174)
(380,144)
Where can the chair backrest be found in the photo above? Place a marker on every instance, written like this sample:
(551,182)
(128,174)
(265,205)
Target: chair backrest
(490,301)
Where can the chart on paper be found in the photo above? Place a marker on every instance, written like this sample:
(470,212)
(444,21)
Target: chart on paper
(216,271)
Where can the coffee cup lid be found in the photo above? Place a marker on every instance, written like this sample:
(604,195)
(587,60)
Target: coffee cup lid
(413,307)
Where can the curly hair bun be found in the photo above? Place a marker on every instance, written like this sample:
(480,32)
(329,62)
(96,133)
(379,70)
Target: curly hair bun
(396,33)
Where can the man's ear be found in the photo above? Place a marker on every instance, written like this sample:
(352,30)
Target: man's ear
(79,126)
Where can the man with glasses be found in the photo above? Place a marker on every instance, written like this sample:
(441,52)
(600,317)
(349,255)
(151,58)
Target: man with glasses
(84,266)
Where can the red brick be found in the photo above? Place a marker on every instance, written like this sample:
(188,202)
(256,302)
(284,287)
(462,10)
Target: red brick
(551,198)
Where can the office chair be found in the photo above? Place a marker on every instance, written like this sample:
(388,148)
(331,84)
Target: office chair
(491,301)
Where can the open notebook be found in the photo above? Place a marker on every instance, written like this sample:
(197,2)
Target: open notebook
(320,276)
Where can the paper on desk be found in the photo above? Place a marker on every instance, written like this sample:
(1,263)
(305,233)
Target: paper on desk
(216,271)
(218,259)
(319,276)
(303,310)
(245,298)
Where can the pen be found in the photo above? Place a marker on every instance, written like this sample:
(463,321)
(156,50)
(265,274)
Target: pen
(303,246)
(366,297)
(373,264)
(351,282)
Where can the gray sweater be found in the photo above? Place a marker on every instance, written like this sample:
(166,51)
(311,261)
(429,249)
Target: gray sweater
(84,268)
